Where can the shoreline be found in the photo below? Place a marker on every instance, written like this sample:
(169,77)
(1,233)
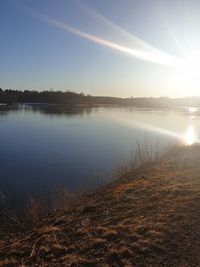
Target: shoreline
(149,218)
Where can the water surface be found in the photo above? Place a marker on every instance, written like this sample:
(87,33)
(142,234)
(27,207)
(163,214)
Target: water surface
(44,147)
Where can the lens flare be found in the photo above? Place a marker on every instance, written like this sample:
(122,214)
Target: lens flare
(143,53)
(109,24)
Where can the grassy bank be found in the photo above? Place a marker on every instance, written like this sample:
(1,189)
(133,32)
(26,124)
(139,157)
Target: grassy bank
(151,217)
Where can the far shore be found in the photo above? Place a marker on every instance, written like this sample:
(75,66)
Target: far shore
(11,96)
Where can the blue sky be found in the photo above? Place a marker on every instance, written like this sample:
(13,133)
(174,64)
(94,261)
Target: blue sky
(35,53)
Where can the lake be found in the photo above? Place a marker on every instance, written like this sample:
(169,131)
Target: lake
(47,147)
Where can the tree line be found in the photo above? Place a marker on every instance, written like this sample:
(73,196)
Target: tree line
(11,96)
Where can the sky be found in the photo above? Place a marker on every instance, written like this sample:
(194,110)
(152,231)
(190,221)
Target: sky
(101,47)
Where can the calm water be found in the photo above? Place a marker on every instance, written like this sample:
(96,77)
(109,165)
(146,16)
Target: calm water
(48,147)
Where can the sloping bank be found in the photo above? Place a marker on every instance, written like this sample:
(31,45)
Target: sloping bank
(150,219)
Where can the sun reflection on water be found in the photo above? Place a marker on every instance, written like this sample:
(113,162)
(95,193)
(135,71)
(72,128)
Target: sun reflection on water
(192,109)
(189,137)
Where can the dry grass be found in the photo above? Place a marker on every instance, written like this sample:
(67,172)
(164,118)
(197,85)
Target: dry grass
(152,218)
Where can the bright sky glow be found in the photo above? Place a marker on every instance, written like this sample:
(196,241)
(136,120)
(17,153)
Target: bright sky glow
(102,48)
(190,73)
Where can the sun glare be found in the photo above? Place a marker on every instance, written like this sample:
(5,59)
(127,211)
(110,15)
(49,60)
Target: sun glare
(190,136)
(190,74)
(192,64)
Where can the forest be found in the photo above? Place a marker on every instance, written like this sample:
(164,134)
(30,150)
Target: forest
(11,96)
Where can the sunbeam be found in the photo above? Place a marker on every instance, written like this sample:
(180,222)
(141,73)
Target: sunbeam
(109,24)
(137,42)
(143,54)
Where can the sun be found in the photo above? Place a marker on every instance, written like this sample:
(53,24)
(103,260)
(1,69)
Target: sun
(190,74)
(191,66)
